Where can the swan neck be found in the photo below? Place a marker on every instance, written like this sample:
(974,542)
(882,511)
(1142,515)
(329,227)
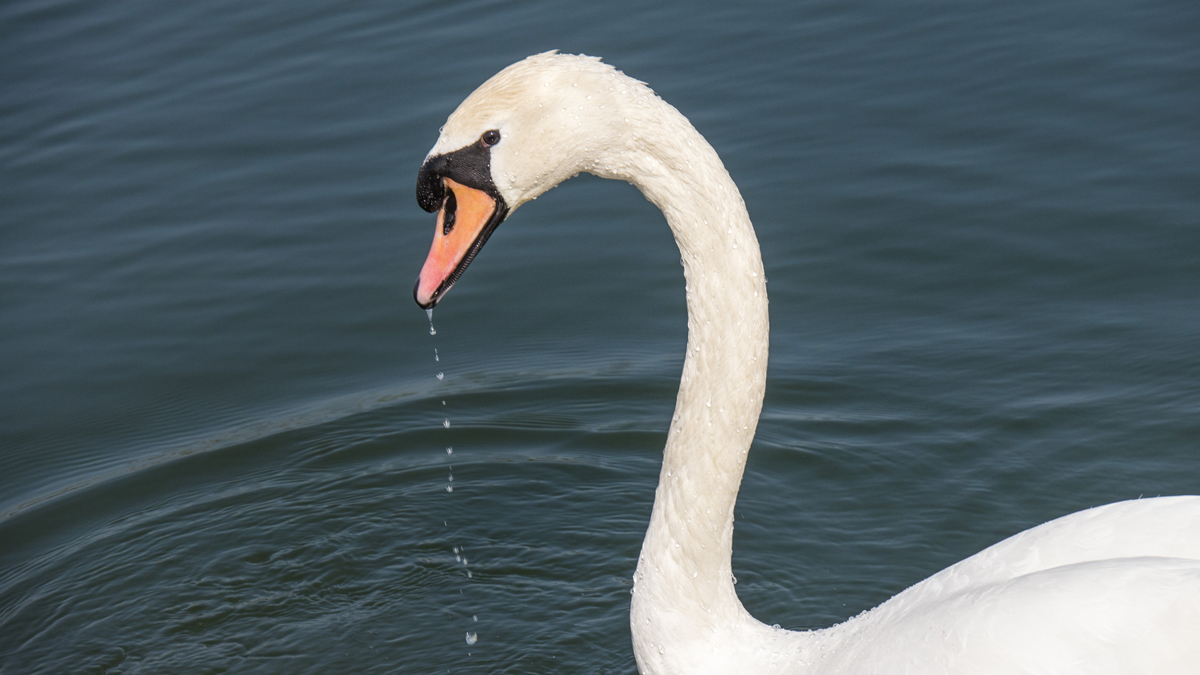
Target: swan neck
(683,585)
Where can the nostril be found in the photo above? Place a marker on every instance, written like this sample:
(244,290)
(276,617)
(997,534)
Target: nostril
(448,210)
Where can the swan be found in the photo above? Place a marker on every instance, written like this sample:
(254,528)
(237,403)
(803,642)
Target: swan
(1113,589)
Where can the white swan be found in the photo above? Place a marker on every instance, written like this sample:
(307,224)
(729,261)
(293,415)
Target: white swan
(1115,589)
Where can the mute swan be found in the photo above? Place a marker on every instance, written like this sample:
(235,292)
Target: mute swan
(1114,589)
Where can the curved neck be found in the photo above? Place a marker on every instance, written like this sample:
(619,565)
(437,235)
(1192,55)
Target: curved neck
(683,587)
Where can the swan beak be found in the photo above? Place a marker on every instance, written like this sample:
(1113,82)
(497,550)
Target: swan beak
(465,220)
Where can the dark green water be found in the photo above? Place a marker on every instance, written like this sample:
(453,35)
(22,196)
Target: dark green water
(221,431)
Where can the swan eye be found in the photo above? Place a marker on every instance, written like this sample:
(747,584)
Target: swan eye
(490,138)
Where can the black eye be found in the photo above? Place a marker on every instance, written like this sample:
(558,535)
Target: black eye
(490,138)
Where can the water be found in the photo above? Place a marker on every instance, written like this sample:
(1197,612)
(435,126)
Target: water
(222,437)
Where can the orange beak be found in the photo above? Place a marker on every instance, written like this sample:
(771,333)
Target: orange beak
(464,223)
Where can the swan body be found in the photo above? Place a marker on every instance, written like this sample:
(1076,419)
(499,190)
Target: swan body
(1114,589)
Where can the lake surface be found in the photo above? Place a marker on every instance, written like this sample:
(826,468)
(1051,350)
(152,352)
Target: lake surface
(223,429)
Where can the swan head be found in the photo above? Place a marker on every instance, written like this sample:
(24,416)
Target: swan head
(528,128)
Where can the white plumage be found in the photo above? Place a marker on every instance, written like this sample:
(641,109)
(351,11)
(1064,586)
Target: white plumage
(1115,589)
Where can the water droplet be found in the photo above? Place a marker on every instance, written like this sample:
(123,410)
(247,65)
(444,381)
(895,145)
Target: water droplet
(449,488)
(468,574)
(440,375)
(450,450)
(734,580)
(474,618)
(429,313)
(435,356)
(446,423)
(472,638)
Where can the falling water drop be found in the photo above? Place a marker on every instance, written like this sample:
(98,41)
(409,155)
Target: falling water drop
(446,423)
(472,638)
(435,356)
(440,375)
(450,450)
